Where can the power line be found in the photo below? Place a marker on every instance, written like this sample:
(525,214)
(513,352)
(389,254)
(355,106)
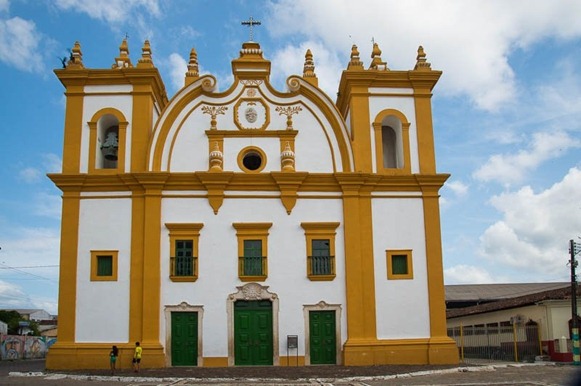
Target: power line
(26,273)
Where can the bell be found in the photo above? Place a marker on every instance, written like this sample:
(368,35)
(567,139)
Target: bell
(110,147)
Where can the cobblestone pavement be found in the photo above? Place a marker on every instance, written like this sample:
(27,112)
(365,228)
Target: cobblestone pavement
(32,373)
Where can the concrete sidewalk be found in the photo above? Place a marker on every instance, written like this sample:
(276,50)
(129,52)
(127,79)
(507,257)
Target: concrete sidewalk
(494,374)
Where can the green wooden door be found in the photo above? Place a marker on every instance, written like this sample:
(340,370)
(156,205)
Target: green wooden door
(253,332)
(184,338)
(323,342)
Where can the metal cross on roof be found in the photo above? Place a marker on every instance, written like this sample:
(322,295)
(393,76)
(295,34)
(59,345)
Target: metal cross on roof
(251,23)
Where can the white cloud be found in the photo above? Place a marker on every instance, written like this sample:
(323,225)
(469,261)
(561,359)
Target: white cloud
(112,11)
(534,231)
(290,60)
(30,175)
(4,5)
(467,274)
(20,44)
(513,168)
(13,296)
(457,187)
(470,41)
(48,205)
(177,70)
(52,163)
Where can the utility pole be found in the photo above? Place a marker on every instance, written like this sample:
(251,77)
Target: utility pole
(574,248)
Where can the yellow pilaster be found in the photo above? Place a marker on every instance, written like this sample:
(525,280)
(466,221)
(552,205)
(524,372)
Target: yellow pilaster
(425,129)
(142,125)
(359,270)
(59,355)
(73,127)
(442,349)
(361,129)
(144,322)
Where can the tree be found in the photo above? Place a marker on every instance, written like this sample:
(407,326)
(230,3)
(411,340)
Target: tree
(13,319)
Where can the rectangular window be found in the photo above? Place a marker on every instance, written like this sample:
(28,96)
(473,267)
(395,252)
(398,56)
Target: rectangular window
(184,239)
(321,257)
(320,243)
(252,250)
(399,264)
(104,265)
(252,257)
(184,258)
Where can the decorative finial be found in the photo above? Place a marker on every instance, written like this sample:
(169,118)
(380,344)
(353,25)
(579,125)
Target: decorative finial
(145,60)
(251,23)
(355,63)
(123,60)
(309,69)
(193,71)
(287,159)
(216,158)
(421,63)
(376,62)
(76,57)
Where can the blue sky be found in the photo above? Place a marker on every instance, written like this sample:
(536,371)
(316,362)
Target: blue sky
(507,111)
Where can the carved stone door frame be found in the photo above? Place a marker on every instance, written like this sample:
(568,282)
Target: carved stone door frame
(183,307)
(252,291)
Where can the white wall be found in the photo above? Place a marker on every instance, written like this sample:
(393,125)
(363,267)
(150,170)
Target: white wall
(402,305)
(102,313)
(218,262)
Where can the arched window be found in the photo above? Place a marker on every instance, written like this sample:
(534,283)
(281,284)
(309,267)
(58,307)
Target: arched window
(107,141)
(389,145)
(392,143)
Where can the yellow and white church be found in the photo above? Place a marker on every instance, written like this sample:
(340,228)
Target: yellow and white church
(249,226)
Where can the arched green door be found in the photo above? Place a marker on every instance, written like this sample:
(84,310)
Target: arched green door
(253,333)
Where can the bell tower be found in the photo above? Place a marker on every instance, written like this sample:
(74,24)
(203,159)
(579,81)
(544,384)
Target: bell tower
(389,117)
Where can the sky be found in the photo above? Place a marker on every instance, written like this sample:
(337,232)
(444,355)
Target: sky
(507,111)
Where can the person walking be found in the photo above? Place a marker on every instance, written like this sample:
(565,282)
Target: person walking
(113,358)
(137,357)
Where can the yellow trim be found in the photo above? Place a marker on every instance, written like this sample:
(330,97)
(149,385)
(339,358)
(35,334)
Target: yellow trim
(438,330)
(405,133)
(359,260)
(95,264)
(244,152)
(252,231)
(142,125)
(94,146)
(184,231)
(73,128)
(315,231)
(389,254)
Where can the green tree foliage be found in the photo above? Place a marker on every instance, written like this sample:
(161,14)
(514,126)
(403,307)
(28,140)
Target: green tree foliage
(13,319)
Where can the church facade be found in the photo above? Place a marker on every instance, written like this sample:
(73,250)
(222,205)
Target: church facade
(250,226)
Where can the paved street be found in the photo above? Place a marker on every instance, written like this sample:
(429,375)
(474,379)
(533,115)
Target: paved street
(31,373)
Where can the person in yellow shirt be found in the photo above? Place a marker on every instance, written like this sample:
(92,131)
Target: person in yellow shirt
(137,357)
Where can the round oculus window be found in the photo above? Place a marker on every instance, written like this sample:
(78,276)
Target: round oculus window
(252,159)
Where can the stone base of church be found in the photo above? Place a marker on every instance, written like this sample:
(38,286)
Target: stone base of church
(434,351)
(76,356)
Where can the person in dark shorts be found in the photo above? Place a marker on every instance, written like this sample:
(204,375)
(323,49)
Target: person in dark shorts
(137,357)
